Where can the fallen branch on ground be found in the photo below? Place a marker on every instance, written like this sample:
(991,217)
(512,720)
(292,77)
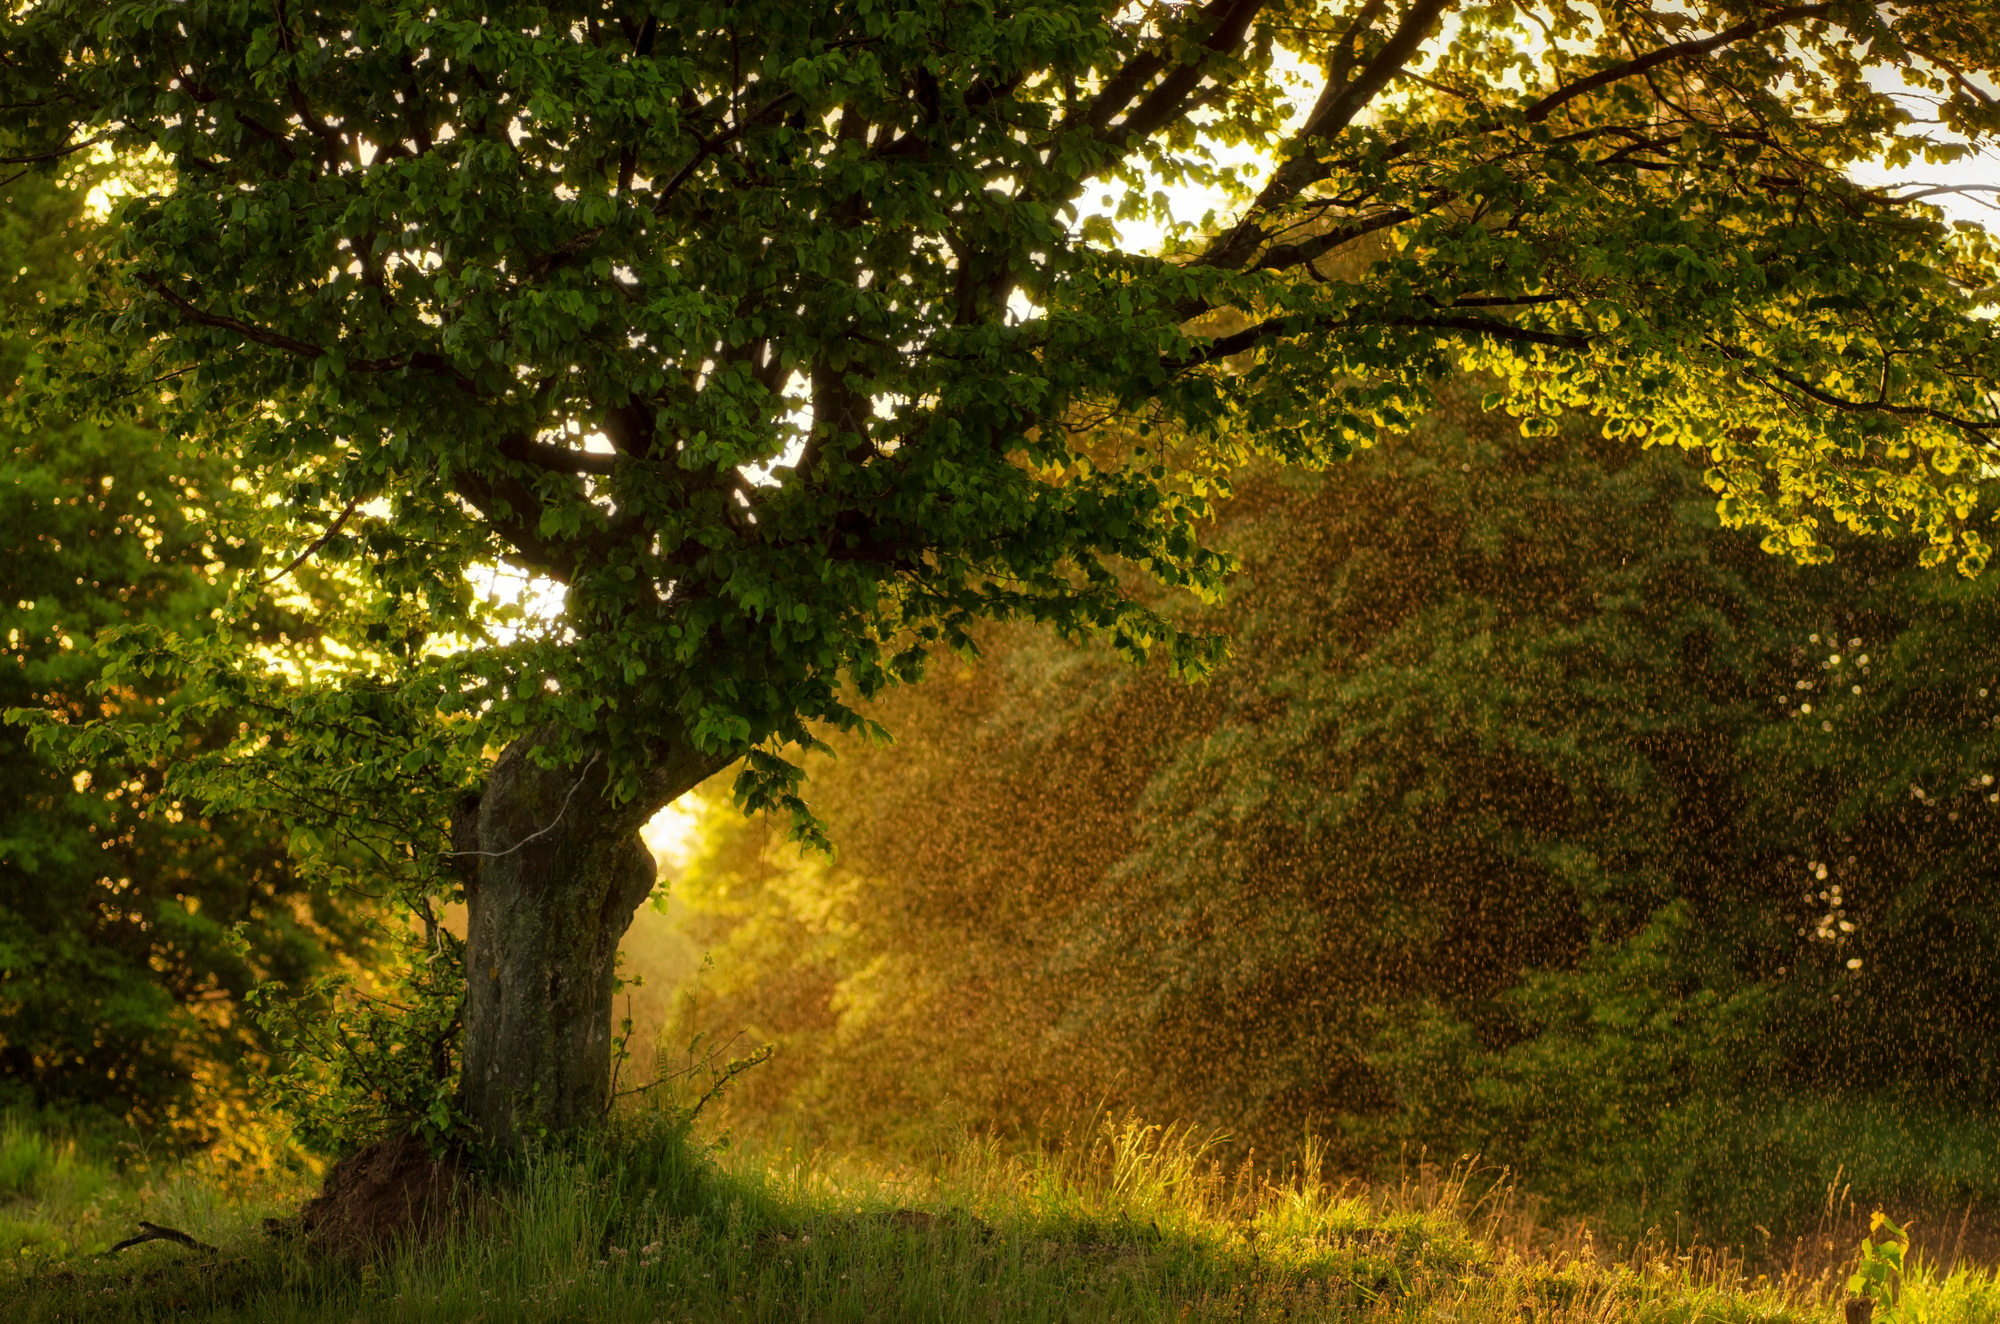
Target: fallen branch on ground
(154,1232)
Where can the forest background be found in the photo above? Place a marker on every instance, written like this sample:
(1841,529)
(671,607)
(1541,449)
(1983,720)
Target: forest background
(1537,818)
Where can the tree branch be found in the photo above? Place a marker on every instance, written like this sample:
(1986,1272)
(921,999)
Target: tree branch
(1542,109)
(1223,347)
(255,334)
(1128,82)
(1977,428)
(707,148)
(316,543)
(1339,104)
(1169,98)
(416,358)
(501,502)
(55,154)
(556,459)
(155,1232)
(1311,250)
(1337,107)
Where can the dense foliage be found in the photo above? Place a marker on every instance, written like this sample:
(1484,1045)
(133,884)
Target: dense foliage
(793,342)
(1536,816)
(409,260)
(132,924)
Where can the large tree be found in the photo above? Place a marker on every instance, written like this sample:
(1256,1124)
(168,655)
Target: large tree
(793,338)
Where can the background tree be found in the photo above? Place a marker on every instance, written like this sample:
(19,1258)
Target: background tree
(790,340)
(132,924)
(1537,817)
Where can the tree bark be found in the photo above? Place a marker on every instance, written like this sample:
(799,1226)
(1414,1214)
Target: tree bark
(556,872)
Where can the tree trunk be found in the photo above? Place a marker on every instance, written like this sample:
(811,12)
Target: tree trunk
(556,873)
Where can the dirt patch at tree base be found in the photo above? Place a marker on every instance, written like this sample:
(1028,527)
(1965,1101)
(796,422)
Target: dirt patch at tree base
(392,1190)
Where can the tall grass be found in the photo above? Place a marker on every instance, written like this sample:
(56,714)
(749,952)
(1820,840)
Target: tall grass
(69,1192)
(1124,1222)
(1743,1171)
(40,1165)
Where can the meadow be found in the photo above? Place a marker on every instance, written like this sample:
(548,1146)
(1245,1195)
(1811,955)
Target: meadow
(1121,1221)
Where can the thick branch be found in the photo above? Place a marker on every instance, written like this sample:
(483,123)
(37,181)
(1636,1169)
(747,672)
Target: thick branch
(507,505)
(556,459)
(1169,99)
(420,359)
(1120,89)
(1223,347)
(1348,48)
(1338,105)
(1700,46)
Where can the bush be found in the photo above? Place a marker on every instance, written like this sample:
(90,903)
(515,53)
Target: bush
(1536,816)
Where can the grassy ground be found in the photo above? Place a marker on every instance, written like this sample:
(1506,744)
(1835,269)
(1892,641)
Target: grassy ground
(67,1194)
(1759,1173)
(1130,1223)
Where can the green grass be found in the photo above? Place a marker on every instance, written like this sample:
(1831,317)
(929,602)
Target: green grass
(1127,1223)
(68,1193)
(1735,1173)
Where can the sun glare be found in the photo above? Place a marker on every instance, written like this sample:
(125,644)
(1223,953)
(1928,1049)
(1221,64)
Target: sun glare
(672,833)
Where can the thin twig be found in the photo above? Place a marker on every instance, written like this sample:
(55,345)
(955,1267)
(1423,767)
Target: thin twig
(688,1070)
(316,543)
(55,154)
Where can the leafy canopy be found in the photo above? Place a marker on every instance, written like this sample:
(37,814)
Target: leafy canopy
(792,337)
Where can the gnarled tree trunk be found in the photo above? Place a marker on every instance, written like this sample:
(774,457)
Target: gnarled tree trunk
(556,872)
